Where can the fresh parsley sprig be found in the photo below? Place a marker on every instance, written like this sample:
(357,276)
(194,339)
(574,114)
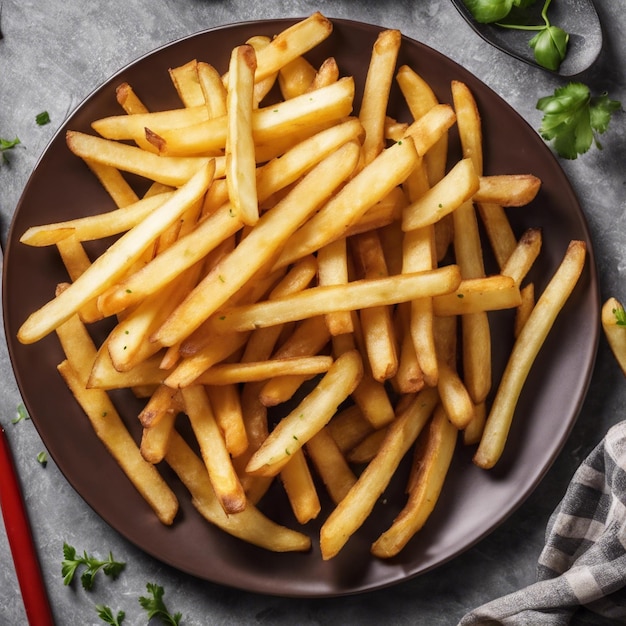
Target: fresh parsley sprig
(573,118)
(550,43)
(155,606)
(72,562)
(106,615)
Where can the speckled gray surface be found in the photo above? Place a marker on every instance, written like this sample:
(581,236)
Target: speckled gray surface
(52,55)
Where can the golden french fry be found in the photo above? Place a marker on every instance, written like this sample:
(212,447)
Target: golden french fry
(376,322)
(469,123)
(614,330)
(420,98)
(523,256)
(358,294)
(352,511)
(458,186)
(433,463)
(367,449)
(308,338)
(508,189)
(162,401)
(128,99)
(349,427)
(479,294)
(185,81)
(292,43)
(525,350)
(327,74)
(249,525)
(330,464)
(219,466)
(154,440)
(333,270)
(240,154)
(499,231)
(430,128)
(114,182)
(213,90)
(300,488)
(174,171)
(527,294)
(370,395)
(109,266)
(96,226)
(378,81)
(293,431)
(296,77)
(230,373)
(226,404)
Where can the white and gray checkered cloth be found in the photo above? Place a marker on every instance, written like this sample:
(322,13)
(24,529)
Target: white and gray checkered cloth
(583,563)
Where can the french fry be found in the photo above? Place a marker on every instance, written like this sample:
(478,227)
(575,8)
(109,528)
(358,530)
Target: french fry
(249,525)
(330,464)
(333,270)
(523,256)
(458,186)
(96,226)
(319,406)
(358,294)
(308,338)
(213,90)
(174,171)
(185,81)
(376,322)
(300,488)
(352,511)
(612,312)
(525,350)
(499,231)
(240,152)
(376,92)
(154,440)
(296,77)
(231,373)
(224,479)
(433,463)
(474,295)
(370,395)
(508,189)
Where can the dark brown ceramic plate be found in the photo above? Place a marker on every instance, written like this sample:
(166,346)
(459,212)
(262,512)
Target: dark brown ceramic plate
(474,502)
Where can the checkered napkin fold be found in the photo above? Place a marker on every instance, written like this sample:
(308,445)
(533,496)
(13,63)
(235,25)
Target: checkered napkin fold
(583,562)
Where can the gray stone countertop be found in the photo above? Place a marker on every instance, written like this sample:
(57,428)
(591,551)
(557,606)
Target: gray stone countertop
(52,55)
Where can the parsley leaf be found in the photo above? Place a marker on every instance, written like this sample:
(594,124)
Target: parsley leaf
(7,144)
(620,316)
(42,118)
(72,562)
(156,607)
(106,615)
(572,117)
(22,414)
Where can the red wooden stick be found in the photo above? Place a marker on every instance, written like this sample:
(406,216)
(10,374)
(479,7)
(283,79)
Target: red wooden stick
(21,542)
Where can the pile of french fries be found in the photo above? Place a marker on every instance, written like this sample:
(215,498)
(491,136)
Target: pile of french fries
(300,252)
